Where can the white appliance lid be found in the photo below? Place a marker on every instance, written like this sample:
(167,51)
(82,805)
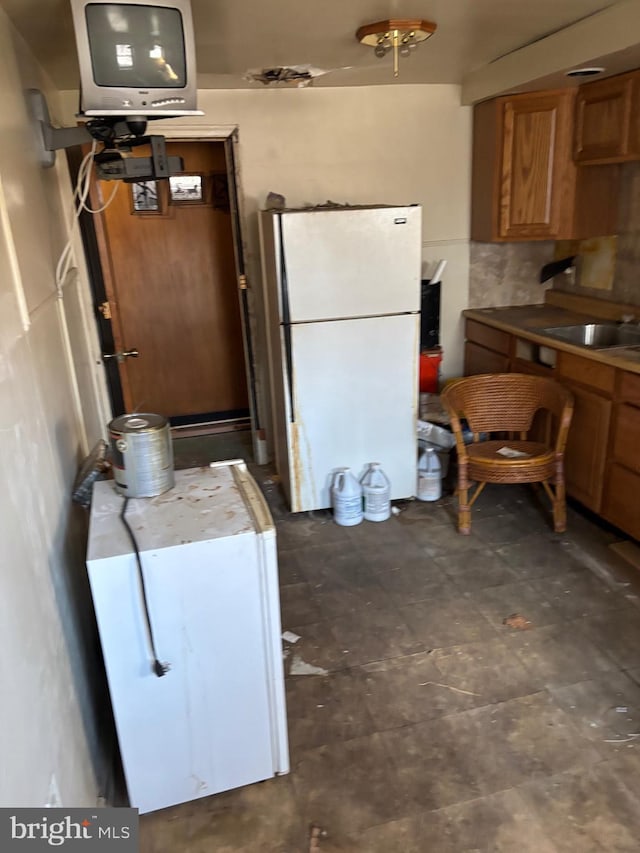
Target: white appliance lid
(205,504)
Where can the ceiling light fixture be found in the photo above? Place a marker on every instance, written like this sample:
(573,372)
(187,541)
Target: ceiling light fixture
(401,35)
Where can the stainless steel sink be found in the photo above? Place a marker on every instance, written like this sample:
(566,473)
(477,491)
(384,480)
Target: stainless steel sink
(596,335)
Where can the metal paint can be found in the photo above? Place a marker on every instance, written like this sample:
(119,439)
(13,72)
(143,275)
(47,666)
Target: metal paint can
(142,455)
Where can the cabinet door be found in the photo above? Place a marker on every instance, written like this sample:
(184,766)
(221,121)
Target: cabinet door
(477,359)
(634,126)
(620,501)
(487,336)
(538,179)
(625,445)
(603,111)
(544,424)
(524,182)
(587,447)
(600,377)
(629,388)
(620,504)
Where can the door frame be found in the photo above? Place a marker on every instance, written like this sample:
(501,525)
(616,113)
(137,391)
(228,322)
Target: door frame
(228,134)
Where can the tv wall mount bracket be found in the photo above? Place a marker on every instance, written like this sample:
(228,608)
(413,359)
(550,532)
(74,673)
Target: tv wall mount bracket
(118,136)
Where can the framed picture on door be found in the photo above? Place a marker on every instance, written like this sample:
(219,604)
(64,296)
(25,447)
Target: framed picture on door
(187,188)
(146,197)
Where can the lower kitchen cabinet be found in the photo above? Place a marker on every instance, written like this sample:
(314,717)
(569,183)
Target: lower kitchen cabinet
(479,359)
(621,503)
(586,453)
(625,446)
(602,457)
(487,350)
(592,385)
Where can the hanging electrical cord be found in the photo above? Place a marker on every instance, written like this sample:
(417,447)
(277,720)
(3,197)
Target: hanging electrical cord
(80,195)
(159,668)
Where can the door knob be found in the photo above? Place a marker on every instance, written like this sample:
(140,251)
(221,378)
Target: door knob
(120,356)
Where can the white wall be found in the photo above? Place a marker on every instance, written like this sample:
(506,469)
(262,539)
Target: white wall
(398,144)
(50,700)
(386,144)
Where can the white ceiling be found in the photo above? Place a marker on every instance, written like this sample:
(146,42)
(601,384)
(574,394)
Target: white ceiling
(233,36)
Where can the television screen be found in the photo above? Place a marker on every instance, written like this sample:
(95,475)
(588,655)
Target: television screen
(135,57)
(136,45)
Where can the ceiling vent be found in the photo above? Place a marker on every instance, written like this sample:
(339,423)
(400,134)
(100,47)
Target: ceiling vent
(585,72)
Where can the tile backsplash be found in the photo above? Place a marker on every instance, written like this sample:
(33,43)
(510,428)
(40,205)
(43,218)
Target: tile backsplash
(507,273)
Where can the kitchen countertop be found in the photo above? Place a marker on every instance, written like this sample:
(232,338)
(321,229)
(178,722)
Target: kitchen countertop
(525,320)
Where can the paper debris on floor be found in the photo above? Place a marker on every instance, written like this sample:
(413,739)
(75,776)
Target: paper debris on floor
(517,621)
(301,667)
(290,637)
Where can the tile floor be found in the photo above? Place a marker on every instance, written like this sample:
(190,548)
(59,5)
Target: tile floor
(431,726)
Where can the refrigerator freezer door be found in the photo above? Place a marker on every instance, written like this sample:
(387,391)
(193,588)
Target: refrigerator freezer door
(354,401)
(351,262)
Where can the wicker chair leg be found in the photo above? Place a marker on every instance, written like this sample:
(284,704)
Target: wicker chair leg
(464,508)
(464,512)
(559,508)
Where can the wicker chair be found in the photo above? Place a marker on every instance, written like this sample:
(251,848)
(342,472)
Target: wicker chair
(507,403)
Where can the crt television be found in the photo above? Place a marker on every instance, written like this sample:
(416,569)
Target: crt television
(136,57)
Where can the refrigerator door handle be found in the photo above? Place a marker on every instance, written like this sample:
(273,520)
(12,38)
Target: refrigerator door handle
(286,320)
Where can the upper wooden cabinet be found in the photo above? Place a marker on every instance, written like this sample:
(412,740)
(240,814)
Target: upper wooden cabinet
(525,184)
(522,170)
(607,123)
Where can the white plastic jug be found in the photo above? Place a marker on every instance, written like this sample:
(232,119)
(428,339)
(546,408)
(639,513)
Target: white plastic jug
(346,498)
(429,475)
(376,493)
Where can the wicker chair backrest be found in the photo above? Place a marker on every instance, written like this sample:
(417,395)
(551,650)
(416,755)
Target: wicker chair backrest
(504,402)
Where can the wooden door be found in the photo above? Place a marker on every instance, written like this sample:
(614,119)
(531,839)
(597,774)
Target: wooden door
(537,176)
(171,281)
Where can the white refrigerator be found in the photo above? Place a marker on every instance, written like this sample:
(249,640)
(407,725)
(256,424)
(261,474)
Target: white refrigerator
(342,302)
(217,719)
